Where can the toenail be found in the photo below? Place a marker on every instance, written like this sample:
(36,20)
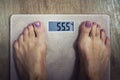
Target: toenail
(37,24)
(98,26)
(103,30)
(29,24)
(88,24)
(94,23)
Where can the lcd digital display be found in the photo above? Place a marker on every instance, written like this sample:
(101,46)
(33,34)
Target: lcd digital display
(61,26)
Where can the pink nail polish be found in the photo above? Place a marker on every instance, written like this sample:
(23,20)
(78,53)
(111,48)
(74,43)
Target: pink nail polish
(37,24)
(88,24)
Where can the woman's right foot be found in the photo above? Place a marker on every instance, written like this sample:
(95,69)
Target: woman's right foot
(95,49)
(30,53)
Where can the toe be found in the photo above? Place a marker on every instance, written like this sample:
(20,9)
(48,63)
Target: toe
(39,29)
(31,31)
(102,35)
(98,31)
(93,29)
(108,46)
(107,42)
(25,34)
(16,48)
(20,40)
(15,45)
(85,28)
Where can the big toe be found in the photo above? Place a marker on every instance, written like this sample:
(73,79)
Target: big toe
(39,29)
(85,28)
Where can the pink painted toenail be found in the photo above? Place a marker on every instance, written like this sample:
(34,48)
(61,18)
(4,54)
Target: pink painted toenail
(37,24)
(88,24)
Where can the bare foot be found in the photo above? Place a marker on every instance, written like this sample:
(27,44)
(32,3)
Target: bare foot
(94,46)
(30,53)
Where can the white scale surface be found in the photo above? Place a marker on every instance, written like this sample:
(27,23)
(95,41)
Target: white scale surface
(60,53)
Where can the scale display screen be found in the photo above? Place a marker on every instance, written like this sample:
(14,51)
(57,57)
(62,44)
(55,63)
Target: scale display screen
(61,26)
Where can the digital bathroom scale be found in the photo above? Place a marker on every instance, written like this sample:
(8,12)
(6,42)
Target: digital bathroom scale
(61,33)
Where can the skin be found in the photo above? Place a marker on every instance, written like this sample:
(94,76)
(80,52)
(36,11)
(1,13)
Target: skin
(94,48)
(30,52)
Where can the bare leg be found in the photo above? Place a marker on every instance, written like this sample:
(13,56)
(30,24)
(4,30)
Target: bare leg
(95,50)
(30,53)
